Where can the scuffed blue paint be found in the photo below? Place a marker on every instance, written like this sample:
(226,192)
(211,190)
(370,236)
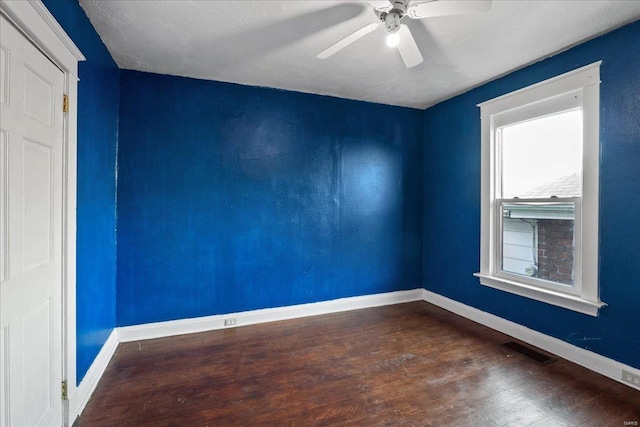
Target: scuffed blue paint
(452,201)
(98,97)
(234,198)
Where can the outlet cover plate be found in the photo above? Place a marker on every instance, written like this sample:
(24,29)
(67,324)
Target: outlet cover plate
(631,378)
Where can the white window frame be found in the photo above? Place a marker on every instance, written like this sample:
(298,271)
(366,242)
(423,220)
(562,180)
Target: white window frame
(579,88)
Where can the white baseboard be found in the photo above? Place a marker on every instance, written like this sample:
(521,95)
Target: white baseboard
(244,318)
(79,397)
(595,362)
(590,360)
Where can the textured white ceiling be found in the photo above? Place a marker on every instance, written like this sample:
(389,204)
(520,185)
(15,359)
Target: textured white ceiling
(274,43)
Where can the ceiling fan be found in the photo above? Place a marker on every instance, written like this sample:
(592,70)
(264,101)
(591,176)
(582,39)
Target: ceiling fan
(391,12)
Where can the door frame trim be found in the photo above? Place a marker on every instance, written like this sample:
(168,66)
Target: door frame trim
(38,24)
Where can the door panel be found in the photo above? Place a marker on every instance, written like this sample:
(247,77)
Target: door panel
(31,138)
(4,203)
(37,204)
(38,346)
(38,97)
(4,377)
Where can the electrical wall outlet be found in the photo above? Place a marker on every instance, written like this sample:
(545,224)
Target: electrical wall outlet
(231,321)
(631,378)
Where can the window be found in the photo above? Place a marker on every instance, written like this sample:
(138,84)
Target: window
(539,216)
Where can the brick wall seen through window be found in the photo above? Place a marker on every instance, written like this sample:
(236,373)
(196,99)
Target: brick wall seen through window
(555,250)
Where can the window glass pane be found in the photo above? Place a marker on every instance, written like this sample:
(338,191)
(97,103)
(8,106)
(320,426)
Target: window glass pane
(538,240)
(542,158)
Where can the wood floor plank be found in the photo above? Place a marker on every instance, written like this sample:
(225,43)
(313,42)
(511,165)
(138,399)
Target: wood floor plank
(404,365)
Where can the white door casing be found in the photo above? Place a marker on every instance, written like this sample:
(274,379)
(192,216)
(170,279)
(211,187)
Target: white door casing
(36,22)
(31,141)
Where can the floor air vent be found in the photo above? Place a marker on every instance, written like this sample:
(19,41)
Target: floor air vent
(529,353)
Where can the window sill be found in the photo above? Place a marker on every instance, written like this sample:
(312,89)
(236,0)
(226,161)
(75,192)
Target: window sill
(570,302)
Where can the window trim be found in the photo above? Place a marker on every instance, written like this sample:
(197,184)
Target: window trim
(583,82)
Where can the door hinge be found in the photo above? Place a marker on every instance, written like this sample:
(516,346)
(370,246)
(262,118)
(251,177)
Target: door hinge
(64,390)
(65,103)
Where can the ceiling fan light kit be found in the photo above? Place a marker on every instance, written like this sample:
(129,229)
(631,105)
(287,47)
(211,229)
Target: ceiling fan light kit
(393,39)
(391,12)
(391,25)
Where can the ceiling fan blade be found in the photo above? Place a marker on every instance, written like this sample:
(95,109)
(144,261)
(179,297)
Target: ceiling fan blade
(380,4)
(408,48)
(341,44)
(447,7)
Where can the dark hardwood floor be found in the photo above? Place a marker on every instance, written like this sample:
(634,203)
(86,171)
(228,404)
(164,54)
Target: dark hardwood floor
(403,365)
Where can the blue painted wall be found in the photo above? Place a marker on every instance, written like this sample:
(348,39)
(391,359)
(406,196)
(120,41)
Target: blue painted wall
(452,201)
(235,198)
(98,98)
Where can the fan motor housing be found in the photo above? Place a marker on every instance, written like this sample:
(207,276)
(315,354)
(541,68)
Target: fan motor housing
(392,17)
(399,6)
(392,22)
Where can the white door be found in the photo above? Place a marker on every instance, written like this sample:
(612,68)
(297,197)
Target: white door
(31,149)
